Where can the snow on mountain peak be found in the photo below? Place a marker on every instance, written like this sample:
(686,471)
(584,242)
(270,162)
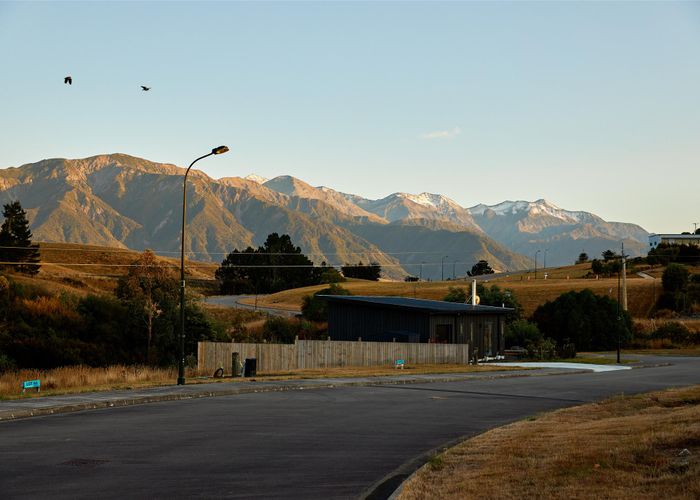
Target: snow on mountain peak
(256,178)
(429,200)
(539,207)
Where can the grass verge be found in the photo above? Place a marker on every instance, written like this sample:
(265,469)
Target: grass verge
(645,447)
(78,379)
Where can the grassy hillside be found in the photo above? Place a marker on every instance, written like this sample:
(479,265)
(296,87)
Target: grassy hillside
(530,292)
(83,269)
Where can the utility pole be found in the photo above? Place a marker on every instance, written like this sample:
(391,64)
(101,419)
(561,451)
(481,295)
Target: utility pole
(537,252)
(544,264)
(624,279)
(454,264)
(696,227)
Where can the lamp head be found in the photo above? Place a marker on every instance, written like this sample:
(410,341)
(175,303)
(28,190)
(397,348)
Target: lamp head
(220,150)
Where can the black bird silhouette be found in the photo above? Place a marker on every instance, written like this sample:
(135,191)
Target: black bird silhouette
(68,80)
(145,89)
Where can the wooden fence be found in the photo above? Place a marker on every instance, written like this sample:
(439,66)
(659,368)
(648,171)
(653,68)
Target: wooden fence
(327,353)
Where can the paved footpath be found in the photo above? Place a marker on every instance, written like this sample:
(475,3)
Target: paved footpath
(47,405)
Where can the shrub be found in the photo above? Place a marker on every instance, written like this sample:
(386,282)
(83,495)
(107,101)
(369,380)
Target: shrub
(590,321)
(314,308)
(675,278)
(456,294)
(521,333)
(541,349)
(674,331)
(6,364)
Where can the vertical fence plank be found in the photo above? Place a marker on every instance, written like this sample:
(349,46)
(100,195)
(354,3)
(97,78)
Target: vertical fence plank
(310,354)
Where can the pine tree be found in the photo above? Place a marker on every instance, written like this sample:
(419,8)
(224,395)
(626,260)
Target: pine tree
(15,232)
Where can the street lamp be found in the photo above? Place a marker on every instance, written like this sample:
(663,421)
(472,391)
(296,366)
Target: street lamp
(536,253)
(181,364)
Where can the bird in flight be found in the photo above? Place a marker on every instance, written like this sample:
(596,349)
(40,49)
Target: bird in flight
(145,89)
(68,80)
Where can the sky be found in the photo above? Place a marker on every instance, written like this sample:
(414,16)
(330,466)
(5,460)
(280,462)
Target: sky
(591,105)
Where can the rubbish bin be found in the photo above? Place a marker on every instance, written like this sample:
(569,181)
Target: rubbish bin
(250,367)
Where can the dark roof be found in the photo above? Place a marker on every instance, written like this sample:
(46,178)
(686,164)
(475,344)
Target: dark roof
(430,306)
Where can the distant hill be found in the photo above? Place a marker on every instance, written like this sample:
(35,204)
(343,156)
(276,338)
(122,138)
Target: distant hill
(121,201)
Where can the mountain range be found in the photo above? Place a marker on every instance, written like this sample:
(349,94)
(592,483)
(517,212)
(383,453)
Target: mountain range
(122,201)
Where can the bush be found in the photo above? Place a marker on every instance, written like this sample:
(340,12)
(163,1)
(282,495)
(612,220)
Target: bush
(285,330)
(6,364)
(456,294)
(590,321)
(675,278)
(674,331)
(521,333)
(314,308)
(541,349)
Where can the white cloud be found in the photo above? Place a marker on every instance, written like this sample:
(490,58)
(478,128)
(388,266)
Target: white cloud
(443,134)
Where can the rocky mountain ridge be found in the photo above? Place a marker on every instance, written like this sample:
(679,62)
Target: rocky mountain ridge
(122,201)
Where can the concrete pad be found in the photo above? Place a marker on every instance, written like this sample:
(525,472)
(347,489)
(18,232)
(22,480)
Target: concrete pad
(566,366)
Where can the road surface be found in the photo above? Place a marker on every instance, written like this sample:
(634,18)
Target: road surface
(324,443)
(235,302)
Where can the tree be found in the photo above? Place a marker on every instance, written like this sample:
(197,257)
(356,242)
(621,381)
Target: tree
(589,321)
(149,289)
(494,296)
(371,271)
(456,294)
(315,308)
(481,267)
(675,278)
(521,333)
(582,258)
(276,265)
(609,255)
(15,232)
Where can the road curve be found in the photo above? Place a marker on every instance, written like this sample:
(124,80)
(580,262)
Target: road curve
(326,443)
(235,301)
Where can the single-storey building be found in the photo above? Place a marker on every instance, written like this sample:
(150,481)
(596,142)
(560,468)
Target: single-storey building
(400,319)
(673,239)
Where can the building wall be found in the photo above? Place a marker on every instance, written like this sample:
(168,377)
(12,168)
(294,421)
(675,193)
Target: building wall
(353,321)
(484,332)
(673,239)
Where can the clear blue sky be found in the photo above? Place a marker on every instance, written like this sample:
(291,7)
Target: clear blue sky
(592,105)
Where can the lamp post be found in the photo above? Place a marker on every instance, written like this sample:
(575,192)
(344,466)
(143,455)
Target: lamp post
(181,363)
(536,253)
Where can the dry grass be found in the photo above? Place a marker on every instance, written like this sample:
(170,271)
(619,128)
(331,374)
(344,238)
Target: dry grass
(625,447)
(72,379)
(77,379)
(63,268)
(650,325)
(530,293)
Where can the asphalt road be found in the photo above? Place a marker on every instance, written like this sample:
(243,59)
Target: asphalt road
(325,443)
(235,302)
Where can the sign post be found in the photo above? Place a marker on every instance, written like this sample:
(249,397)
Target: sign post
(31,384)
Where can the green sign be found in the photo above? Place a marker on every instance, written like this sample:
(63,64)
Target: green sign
(31,384)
